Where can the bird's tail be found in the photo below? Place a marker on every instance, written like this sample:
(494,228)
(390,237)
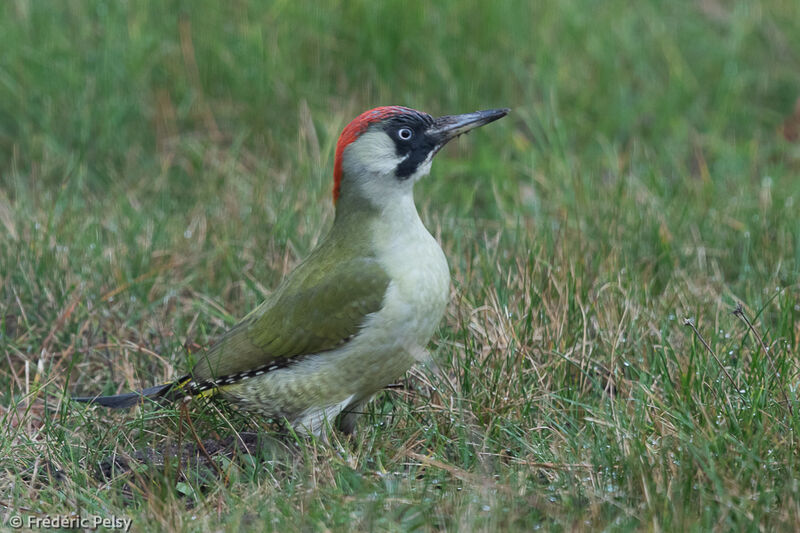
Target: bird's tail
(129,399)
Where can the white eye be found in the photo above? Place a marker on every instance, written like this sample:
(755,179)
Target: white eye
(405,133)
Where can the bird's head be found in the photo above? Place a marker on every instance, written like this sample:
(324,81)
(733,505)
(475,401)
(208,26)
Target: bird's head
(384,151)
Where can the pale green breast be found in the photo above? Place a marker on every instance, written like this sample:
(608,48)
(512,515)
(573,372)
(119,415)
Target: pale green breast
(420,279)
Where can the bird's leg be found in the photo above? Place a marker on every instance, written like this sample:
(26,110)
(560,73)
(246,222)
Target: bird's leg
(348,419)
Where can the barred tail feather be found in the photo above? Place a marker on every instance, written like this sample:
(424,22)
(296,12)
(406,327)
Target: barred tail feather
(129,399)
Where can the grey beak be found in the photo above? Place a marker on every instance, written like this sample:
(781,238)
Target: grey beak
(449,127)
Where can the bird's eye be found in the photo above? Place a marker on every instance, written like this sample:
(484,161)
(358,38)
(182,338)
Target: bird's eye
(405,133)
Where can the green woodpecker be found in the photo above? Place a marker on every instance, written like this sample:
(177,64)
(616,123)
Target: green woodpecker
(359,311)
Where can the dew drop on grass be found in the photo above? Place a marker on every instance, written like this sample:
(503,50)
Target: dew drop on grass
(486,508)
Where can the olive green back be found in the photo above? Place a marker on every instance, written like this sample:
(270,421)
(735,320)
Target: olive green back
(317,308)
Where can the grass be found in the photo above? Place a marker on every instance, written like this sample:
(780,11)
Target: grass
(164,165)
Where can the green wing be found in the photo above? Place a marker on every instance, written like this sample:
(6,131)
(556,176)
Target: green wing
(317,308)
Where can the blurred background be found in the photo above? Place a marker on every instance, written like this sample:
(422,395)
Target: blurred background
(663,121)
(164,164)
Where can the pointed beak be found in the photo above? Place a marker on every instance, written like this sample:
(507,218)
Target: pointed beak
(448,127)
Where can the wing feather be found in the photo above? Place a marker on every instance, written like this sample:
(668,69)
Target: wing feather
(320,306)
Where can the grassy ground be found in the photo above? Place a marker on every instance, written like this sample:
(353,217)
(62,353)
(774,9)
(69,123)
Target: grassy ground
(164,164)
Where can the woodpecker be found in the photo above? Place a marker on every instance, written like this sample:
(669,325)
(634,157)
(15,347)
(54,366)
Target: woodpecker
(357,313)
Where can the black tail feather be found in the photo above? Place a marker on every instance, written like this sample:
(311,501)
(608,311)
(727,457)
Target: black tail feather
(129,399)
